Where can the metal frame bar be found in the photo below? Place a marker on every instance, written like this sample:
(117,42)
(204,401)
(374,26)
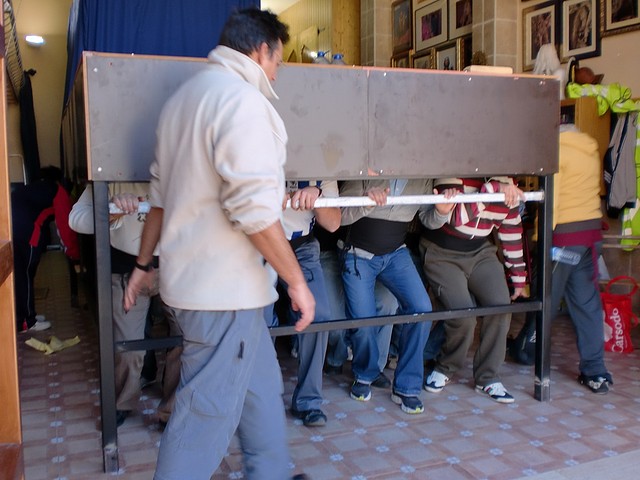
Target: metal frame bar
(105,327)
(435,316)
(542,380)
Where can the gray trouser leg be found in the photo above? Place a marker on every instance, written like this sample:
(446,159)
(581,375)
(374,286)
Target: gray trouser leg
(262,428)
(462,280)
(311,351)
(127,326)
(229,377)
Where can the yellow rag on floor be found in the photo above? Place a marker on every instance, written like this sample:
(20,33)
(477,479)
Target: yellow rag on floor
(54,344)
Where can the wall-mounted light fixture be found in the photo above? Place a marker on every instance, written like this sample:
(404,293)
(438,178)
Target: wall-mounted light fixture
(34,40)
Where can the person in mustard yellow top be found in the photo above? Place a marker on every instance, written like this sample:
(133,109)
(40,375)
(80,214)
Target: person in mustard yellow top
(577,225)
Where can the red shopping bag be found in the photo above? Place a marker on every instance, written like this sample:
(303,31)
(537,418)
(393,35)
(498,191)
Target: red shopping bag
(618,317)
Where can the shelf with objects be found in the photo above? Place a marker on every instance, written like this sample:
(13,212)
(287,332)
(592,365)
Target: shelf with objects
(366,122)
(609,113)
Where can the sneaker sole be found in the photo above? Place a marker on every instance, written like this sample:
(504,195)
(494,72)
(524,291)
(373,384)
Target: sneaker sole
(597,392)
(498,400)
(433,389)
(360,398)
(40,327)
(398,401)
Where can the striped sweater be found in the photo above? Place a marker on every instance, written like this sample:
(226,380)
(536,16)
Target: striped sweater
(470,224)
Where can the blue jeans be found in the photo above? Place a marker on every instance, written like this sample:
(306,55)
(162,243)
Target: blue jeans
(577,285)
(311,346)
(386,304)
(398,273)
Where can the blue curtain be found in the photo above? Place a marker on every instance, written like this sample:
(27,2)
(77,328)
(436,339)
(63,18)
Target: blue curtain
(189,28)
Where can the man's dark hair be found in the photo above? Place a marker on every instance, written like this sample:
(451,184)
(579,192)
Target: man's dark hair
(246,29)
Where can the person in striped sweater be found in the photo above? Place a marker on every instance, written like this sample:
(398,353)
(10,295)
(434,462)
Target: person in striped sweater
(462,267)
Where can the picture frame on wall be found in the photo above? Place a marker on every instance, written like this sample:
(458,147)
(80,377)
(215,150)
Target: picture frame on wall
(447,57)
(619,16)
(539,28)
(465,51)
(401,60)
(431,22)
(401,28)
(425,61)
(460,18)
(580,29)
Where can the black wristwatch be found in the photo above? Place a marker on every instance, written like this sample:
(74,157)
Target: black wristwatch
(144,268)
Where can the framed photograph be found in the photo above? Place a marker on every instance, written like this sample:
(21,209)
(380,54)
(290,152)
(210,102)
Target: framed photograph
(430,24)
(580,31)
(465,51)
(539,28)
(401,60)
(424,62)
(447,57)
(460,18)
(401,31)
(619,16)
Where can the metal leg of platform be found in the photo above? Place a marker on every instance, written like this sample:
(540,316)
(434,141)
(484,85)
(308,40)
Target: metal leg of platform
(105,328)
(545,316)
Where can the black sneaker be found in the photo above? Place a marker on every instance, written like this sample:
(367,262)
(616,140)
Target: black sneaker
(310,418)
(596,383)
(411,405)
(360,391)
(121,416)
(381,381)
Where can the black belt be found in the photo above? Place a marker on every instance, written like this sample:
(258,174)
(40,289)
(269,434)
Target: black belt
(299,241)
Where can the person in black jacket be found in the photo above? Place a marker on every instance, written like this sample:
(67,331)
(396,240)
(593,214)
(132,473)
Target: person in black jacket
(32,206)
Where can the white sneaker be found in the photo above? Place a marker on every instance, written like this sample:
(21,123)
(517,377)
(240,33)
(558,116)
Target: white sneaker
(41,318)
(39,325)
(435,382)
(497,392)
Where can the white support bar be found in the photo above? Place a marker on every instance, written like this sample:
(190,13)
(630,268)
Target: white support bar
(143,207)
(538,196)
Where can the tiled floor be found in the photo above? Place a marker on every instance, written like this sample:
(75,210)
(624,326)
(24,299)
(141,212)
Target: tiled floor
(461,435)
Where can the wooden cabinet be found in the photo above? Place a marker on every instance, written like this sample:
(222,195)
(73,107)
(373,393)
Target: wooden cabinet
(11,462)
(583,112)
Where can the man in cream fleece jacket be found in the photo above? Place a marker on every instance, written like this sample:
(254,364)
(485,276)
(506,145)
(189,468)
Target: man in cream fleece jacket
(217,187)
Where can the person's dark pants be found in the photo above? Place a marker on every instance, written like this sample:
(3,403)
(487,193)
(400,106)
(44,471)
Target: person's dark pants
(25,265)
